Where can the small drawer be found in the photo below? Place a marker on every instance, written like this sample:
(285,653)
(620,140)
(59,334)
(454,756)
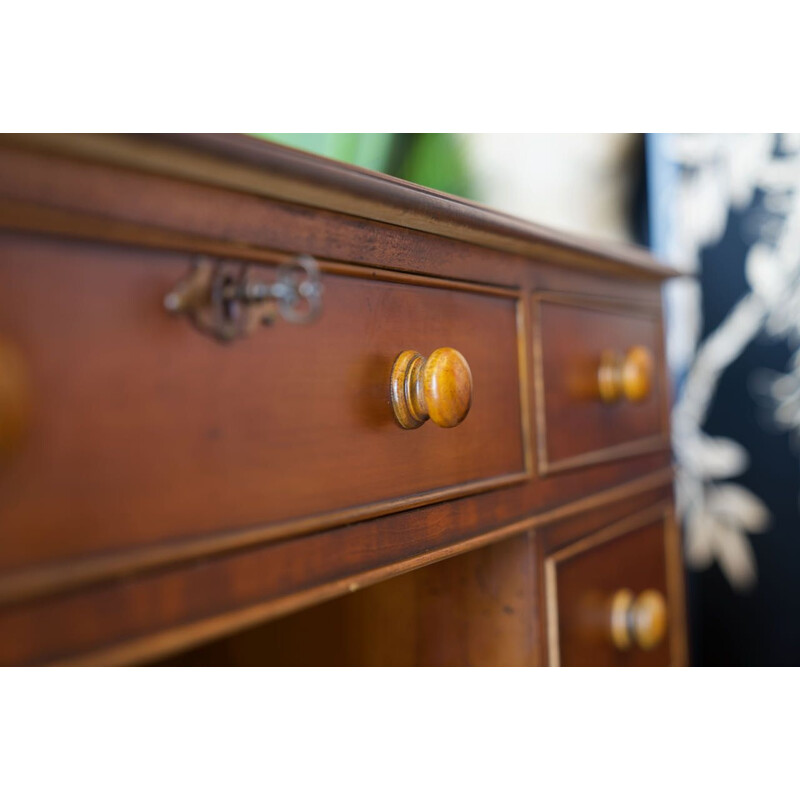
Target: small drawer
(614,598)
(145,430)
(600,381)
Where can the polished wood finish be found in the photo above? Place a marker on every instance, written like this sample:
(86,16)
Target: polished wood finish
(630,376)
(176,435)
(637,374)
(621,628)
(14,399)
(438,388)
(638,620)
(605,595)
(245,165)
(477,609)
(172,490)
(572,336)
(150,610)
(649,614)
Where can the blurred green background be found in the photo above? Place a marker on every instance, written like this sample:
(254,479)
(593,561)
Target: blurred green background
(437,160)
(585,183)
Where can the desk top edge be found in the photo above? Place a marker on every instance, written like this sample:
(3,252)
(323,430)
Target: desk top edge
(244,163)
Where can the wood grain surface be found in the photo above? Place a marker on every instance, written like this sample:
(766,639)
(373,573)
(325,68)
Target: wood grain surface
(146,430)
(476,609)
(636,552)
(254,167)
(575,427)
(170,490)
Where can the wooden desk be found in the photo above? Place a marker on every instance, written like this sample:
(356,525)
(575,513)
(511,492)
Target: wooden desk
(202,404)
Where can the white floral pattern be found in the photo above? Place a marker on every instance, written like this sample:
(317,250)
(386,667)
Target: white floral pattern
(710,175)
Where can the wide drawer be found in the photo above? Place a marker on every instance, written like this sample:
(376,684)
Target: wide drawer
(144,430)
(610,601)
(601,387)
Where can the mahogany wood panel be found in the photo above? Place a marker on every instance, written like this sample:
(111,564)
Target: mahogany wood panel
(477,609)
(254,167)
(144,429)
(108,197)
(148,505)
(150,612)
(574,426)
(635,553)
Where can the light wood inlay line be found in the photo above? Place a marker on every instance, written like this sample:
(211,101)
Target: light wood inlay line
(660,511)
(640,446)
(280,174)
(33,218)
(175,639)
(59,577)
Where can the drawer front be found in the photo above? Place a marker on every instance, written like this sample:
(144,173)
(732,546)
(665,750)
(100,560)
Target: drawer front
(596,401)
(614,598)
(143,429)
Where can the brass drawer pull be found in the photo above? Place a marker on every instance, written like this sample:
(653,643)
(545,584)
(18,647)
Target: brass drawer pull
(438,388)
(640,620)
(228,300)
(630,377)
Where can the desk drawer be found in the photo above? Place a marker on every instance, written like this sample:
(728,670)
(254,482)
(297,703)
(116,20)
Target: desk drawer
(600,381)
(609,598)
(143,429)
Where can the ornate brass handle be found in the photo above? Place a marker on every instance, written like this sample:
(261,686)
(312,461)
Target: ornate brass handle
(438,387)
(14,398)
(229,300)
(630,377)
(640,620)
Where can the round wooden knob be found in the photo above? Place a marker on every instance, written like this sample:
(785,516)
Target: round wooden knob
(630,377)
(640,620)
(438,387)
(14,398)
